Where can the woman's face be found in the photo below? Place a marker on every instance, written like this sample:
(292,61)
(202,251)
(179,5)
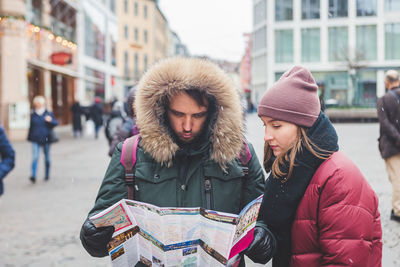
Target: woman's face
(280,135)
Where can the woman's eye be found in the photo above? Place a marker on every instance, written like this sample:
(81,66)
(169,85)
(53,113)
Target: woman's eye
(276,126)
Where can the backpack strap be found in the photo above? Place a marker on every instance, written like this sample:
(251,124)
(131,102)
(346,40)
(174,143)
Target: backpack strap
(245,157)
(395,96)
(128,160)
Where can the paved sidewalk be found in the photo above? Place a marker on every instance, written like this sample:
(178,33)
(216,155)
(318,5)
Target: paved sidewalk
(40,222)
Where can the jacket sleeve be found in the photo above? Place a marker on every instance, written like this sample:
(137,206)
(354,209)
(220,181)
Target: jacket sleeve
(53,123)
(254,183)
(348,220)
(7,155)
(113,186)
(386,126)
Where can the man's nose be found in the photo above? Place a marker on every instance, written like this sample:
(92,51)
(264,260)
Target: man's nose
(187,124)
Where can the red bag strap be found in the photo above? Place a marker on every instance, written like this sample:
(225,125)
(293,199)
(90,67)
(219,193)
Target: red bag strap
(245,157)
(128,160)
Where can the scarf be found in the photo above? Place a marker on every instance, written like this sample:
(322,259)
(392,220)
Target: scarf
(281,200)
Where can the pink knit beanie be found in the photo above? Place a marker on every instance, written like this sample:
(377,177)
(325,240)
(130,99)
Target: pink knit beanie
(293,98)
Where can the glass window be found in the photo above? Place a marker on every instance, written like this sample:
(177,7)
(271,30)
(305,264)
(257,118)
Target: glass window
(259,67)
(145,11)
(337,43)
(136,34)
(113,31)
(145,61)
(34,12)
(283,46)
(310,9)
(145,37)
(112,6)
(366,38)
(126,67)
(337,8)
(94,32)
(366,8)
(136,67)
(392,41)
(260,39)
(392,5)
(136,9)
(259,12)
(283,10)
(94,87)
(126,6)
(126,32)
(310,45)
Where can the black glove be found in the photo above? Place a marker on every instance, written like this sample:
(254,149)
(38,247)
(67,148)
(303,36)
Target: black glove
(262,248)
(94,239)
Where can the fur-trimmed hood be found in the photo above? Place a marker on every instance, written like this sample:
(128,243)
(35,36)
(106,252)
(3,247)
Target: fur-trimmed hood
(168,78)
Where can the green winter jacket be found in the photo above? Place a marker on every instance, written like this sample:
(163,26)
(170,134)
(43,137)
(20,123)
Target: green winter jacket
(165,187)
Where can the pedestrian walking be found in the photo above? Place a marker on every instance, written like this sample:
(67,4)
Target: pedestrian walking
(42,123)
(116,118)
(388,107)
(77,112)
(7,158)
(129,127)
(191,126)
(317,205)
(96,115)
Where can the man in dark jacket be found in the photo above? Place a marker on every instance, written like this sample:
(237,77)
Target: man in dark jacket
(96,115)
(389,141)
(7,158)
(191,126)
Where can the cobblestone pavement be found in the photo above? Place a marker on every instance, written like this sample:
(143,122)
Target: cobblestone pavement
(40,222)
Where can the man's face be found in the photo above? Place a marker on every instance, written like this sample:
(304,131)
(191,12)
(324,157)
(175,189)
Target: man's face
(186,117)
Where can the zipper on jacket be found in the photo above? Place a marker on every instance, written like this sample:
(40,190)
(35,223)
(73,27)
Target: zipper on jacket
(207,186)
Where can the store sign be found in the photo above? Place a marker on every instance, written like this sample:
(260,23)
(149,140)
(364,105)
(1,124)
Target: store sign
(61,58)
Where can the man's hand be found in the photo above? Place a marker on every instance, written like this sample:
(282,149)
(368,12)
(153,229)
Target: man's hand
(48,118)
(262,248)
(94,239)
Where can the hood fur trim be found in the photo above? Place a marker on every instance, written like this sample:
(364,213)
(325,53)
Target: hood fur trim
(173,75)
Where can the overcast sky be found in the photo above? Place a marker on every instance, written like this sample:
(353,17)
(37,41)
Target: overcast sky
(210,27)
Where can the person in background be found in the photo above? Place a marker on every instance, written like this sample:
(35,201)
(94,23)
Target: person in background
(41,123)
(116,118)
(191,125)
(317,204)
(388,107)
(77,112)
(96,115)
(128,128)
(7,158)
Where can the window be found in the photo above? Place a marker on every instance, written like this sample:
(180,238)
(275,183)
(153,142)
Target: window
(283,46)
(310,9)
(337,43)
(136,67)
(259,12)
(136,34)
(145,37)
(310,45)
(337,8)
(392,5)
(283,10)
(126,32)
(145,61)
(260,39)
(145,11)
(366,8)
(112,6)
(259,67)
(136,9)
(126,6)
(366,38)
(113,32)
(126,68)
(95,26)
(392,41)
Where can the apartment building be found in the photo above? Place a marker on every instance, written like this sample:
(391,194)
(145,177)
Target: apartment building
(346,44)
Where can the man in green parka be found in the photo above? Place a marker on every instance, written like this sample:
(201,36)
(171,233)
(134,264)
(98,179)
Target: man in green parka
(191,126)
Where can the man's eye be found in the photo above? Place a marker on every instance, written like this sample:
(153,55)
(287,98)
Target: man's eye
(199,115)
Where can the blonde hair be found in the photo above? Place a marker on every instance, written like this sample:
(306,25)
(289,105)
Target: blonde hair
(289,155)
(39,100)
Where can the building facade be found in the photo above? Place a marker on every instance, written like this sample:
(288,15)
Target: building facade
(97,35)
(346,44)
(38,57)
(144,38)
